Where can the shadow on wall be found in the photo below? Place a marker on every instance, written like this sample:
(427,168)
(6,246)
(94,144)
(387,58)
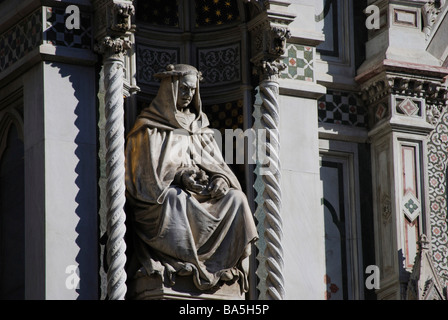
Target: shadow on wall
(86,182)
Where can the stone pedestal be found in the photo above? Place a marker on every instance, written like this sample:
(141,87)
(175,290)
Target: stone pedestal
(154,288)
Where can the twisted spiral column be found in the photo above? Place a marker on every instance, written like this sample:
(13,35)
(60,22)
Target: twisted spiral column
(270,175)
(115,185)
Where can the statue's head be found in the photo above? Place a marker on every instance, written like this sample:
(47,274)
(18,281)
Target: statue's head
(179,89)
(187,78)
(186,90)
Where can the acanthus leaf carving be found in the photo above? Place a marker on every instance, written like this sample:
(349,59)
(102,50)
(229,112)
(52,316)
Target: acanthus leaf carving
(113,45)
(271,47)
(431,11)
(270,70)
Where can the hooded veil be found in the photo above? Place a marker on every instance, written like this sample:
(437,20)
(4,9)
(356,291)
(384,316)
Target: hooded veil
(163,112)
(178,231)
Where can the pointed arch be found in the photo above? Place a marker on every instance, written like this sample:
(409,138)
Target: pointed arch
(11,115)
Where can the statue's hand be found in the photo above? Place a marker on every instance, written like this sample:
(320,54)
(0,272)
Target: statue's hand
(189,181)
(218,188)
(202,177)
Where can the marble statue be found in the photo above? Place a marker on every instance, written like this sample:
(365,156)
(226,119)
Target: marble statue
(190,215)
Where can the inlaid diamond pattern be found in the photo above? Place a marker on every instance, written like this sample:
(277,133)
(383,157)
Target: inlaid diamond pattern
(411,206)
(408,107)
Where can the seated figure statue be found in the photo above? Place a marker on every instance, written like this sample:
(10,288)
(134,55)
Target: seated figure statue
(190,216)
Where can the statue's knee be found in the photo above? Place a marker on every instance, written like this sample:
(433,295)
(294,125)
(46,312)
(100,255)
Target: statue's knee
(237,195)
(173,193)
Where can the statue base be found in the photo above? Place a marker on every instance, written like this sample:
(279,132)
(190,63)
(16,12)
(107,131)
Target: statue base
(153,288)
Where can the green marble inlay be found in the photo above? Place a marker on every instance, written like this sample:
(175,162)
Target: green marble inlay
(299,62)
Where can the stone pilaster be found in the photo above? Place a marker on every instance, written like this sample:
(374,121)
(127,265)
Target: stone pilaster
(403,87)
(403,109)
(114,36)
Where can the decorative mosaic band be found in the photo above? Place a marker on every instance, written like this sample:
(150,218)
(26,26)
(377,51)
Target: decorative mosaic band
(219,65)
(299,63)
(344,108)
(46,25)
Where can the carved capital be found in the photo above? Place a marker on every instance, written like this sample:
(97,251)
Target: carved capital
(269,45)
(113,18)
(277,40)
(269,41)
(269,32)
(270,70)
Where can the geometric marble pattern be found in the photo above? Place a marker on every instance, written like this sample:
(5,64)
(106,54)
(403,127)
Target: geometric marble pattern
(437,190)
(331,287)
(57,34)
(411,206)
(343,108)
(408,107)
(29,33)
(299,63)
